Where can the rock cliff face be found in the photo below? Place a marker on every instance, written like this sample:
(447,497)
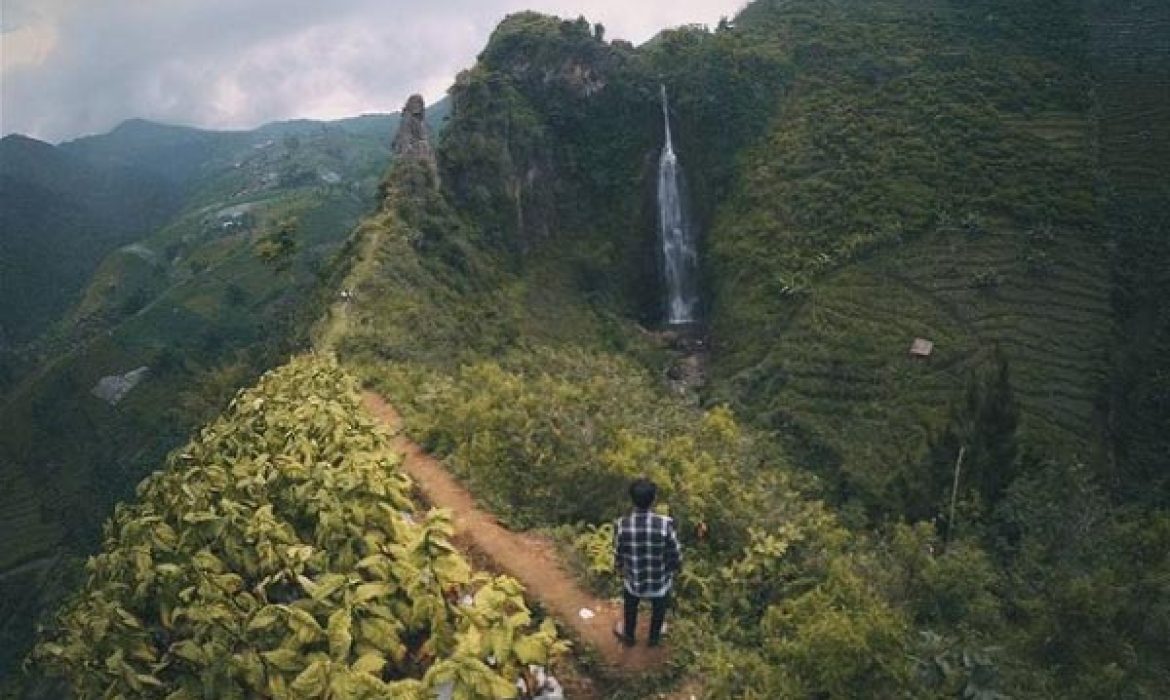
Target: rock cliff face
(413,142)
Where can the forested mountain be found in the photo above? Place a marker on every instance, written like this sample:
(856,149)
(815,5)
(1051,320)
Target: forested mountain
(60,215)
(985,518)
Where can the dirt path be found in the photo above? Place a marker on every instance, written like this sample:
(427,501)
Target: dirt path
(529,558)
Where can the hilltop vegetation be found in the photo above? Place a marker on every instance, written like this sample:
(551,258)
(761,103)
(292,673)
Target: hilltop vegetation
(59,215)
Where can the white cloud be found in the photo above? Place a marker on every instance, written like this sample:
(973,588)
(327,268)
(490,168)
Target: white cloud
(27,45)
(81,66)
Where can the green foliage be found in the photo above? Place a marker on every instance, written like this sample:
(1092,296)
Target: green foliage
(1086,583)
(951,670)
(279,555)
(911,148)
(796,615)
(953,587)
(1134,144)
(550,437)
(278,247)
(547,438)
(981,431)
(596,543)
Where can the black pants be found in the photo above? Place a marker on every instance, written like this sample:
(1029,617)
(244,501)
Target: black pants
(657,615)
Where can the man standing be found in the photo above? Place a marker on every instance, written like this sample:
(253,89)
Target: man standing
(647,555)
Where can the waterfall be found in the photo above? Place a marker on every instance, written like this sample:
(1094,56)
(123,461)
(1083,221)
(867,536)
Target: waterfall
(676,234)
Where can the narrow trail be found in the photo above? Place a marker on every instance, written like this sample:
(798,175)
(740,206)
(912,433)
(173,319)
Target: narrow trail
(529,558)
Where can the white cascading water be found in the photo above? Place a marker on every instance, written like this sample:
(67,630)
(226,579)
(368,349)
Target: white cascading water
(680,257)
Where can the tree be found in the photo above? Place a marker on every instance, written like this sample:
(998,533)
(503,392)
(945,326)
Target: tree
(278,247)
(993,451)
(983,425)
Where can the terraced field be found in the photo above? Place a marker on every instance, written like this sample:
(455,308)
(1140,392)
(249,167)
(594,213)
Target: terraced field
(1131,49)
(1130,45)
(24,529)
(853,399)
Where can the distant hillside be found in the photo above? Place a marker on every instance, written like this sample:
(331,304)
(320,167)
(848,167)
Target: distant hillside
(59,214)
(927,175)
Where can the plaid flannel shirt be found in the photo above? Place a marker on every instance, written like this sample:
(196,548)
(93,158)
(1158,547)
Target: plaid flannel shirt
(646,552)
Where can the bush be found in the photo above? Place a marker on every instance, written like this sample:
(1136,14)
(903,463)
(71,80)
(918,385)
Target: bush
(279,556)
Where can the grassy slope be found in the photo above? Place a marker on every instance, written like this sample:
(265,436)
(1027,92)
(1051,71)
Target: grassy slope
(927,170)
(928,174)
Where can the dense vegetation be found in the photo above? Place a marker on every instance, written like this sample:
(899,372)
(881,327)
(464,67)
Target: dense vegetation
(1132,64)
(280,555)
(901,173)
(989,522)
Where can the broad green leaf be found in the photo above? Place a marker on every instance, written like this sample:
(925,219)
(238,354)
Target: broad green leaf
(340,638)
(530,649)
(368,591)
(312,682)
(327,585)
(304,626)
(370,662)
(190,651)
(284,659)
(264,618)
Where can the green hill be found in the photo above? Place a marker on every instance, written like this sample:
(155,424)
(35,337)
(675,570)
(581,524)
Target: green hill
(866,173)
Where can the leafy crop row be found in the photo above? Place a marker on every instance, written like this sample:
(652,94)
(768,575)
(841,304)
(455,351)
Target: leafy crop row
(279,555)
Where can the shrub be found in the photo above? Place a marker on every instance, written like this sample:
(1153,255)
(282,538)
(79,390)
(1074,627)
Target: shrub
(278,555)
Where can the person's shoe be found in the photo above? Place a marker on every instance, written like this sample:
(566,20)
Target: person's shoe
(655,642)
(625,639)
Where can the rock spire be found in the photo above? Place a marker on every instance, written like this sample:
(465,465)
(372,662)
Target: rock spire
(413,142)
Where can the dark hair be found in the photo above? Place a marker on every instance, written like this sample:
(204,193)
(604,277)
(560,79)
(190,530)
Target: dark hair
(642,492)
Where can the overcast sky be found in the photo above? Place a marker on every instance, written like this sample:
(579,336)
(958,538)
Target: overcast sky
(74,67)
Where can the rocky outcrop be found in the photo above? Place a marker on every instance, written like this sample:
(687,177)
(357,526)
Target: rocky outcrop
(413,141)
(114,388)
